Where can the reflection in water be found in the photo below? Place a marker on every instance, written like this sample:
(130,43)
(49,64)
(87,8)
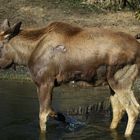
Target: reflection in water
(115,135)
(19,114)
(42,136)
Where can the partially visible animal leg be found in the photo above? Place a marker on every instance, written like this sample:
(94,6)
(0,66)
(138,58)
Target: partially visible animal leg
(45,100)
(122,83)
(118,111)
(131,109)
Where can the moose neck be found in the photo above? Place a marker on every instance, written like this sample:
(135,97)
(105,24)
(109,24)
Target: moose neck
(24,44)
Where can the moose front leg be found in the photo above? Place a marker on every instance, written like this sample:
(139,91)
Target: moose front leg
(45,100)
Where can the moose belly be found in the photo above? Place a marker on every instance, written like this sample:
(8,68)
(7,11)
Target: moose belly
(93,76)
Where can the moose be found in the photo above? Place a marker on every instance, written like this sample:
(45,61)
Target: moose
(60,53)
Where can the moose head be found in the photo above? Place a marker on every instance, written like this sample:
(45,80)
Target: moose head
(7,33)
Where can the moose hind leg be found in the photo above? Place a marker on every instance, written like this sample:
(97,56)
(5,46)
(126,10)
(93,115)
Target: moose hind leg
(117,110)
(123,90)
(132,109)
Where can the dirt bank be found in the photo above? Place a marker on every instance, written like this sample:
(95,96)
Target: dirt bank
(38,13)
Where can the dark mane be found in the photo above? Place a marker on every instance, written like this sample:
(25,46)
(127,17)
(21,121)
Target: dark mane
(58,27)
(32,34)
(64,28)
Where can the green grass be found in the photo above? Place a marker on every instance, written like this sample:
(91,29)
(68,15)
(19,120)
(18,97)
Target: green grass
(20,74)
(11,76)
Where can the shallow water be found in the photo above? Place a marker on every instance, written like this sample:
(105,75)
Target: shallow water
(19,114)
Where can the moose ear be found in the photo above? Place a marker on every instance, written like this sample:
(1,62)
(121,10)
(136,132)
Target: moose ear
(5,25)
(15,29)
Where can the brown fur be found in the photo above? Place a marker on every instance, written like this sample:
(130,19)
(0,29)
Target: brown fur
(32,34)
(57,27)
(64,29)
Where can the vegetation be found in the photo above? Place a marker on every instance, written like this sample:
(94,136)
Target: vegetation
(98,5)
(20,73)
(115,4)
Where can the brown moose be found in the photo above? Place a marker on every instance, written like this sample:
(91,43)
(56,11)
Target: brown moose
(60,53)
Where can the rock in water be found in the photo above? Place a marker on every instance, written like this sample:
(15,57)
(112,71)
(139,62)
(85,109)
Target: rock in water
(70,123)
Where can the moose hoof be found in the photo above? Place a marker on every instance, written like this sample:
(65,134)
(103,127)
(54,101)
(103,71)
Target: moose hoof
(42,127)
(60,117)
